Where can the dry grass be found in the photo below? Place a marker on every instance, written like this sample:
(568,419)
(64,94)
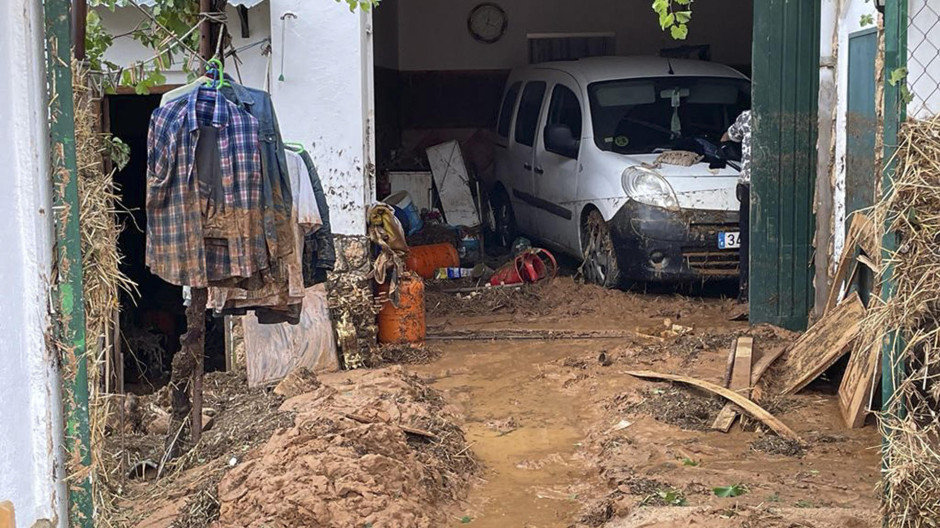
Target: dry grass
(911,422)
(103,281)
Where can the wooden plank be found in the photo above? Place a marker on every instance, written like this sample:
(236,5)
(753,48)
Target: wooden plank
(453,184)
(729,367)
(857,385)
(7,518)
(745,404)
(819,348)
(741,375)
(725,418)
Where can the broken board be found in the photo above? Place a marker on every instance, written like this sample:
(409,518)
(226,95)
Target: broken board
(416,184)
(740,382)
(745,404)
(819,348)
(453,184)
(855,391)
(7,519)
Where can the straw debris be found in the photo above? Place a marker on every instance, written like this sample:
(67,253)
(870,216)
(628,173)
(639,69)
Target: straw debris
(911,423)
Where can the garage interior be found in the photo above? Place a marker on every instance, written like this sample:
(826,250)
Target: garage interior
(435,82)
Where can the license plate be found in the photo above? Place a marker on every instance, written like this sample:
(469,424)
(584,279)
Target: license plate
(729,240)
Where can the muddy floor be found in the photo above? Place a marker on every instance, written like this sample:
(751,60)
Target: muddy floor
(569,439)
(514,430)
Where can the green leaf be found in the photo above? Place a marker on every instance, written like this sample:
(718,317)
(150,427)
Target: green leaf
(730,491)
(866,20)
(466,519)
(679,32)
(672,497)
(689,462)
(804,504)
(683,17)
(897,75)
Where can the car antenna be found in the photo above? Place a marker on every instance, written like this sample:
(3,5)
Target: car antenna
(669,62)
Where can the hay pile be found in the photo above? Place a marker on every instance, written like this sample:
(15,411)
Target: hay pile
(102,276)
(911,422)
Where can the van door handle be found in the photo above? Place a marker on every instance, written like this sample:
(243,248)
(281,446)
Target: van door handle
(527,166)
(539,170)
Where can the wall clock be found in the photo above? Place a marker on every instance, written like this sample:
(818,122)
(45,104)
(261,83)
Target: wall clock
(487,22)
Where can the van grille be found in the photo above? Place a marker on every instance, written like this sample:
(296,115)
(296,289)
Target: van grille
(724,263)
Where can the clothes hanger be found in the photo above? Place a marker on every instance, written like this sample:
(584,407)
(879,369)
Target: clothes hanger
(297,147)
(216,73)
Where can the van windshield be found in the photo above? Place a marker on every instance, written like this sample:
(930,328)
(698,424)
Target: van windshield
(638,116)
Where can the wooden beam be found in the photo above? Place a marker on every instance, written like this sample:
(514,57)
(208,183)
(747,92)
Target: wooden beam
(7,518)
(79,25)
(740,382)
(745,404)
(857,385)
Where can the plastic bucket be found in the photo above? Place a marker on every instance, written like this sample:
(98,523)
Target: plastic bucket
(426,260)
(402,200)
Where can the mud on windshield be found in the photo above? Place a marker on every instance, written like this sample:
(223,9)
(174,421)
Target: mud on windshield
(639,116)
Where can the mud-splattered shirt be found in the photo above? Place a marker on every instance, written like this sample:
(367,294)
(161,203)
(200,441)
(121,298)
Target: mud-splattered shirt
(740,132)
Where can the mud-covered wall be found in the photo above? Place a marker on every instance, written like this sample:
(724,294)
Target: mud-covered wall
(30,406)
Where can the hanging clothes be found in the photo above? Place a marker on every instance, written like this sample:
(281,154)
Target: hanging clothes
(204,229)
(319,247)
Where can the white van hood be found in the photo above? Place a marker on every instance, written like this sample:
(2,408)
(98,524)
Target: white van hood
(696,187)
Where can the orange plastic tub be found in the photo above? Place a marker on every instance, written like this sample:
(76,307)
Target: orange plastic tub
(404,323)
(425,260)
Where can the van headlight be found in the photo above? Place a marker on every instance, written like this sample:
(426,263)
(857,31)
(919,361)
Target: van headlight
(648,187)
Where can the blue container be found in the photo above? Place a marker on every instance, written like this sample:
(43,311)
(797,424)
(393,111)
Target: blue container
(402,200)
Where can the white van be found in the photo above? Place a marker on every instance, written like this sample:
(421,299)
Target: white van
(580,166)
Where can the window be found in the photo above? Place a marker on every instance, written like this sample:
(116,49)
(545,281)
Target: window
(565,110)
(505,113)
(637,116)
(529,108)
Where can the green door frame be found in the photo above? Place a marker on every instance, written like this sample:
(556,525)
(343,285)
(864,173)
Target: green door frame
(785,126)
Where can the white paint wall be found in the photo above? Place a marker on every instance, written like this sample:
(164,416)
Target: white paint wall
(126,51)
(923,63)
(30,406)
(325,100)
(433,34)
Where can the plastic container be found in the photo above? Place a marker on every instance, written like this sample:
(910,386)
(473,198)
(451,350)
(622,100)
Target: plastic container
(426,260)
(402,200)
(404,323)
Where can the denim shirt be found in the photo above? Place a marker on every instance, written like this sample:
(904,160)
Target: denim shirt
(277,197)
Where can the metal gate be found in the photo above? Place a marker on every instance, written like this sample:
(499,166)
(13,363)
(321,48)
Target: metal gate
(923,58)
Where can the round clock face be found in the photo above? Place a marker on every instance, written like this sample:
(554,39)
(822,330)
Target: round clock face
(487,22)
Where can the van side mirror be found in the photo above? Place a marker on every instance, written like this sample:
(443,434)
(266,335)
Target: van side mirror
(560,140)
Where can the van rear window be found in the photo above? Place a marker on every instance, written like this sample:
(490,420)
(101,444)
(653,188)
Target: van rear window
(529,108)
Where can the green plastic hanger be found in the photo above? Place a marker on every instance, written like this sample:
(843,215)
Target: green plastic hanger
(297,147)
(214,66)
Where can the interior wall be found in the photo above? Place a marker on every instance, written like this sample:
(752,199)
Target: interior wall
(433,35)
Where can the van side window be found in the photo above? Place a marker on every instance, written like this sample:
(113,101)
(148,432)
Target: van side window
(529,108)
(565,109)
(505,113)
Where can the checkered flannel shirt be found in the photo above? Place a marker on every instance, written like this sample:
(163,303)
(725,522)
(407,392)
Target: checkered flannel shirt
(189,241)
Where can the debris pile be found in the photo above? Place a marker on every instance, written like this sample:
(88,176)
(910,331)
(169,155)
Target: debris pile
(382,453)
(911,424)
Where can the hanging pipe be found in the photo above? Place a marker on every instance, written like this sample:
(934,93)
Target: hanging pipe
(68,302)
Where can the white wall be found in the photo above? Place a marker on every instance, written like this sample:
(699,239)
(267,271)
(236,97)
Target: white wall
(126,51)
(30,406)
(323,101)
(433,34)
(923,64)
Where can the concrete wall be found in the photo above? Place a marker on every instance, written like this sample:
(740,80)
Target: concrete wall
(433,34)
(127,51)
(30,406)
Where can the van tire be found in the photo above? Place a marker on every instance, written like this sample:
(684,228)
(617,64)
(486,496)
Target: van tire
(600,264)
(504,231)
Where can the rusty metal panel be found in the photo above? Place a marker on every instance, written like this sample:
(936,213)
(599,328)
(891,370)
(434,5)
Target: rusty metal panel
(785,104)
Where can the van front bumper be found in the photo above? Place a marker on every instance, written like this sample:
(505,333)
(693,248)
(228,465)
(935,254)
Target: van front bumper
(654,244)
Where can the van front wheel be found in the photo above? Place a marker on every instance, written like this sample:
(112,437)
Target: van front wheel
(600,264)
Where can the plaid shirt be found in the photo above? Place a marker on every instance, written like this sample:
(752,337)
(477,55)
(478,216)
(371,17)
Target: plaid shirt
(190,241)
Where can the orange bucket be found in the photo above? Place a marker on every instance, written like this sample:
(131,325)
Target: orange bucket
(404,323)
(425,260)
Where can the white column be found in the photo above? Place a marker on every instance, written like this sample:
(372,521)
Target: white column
(30,406)
(324,99)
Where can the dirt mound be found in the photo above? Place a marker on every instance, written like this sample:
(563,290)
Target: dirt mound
(378,449)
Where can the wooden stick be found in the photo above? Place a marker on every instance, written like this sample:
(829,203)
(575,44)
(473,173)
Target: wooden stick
(196,323)
(745,404)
